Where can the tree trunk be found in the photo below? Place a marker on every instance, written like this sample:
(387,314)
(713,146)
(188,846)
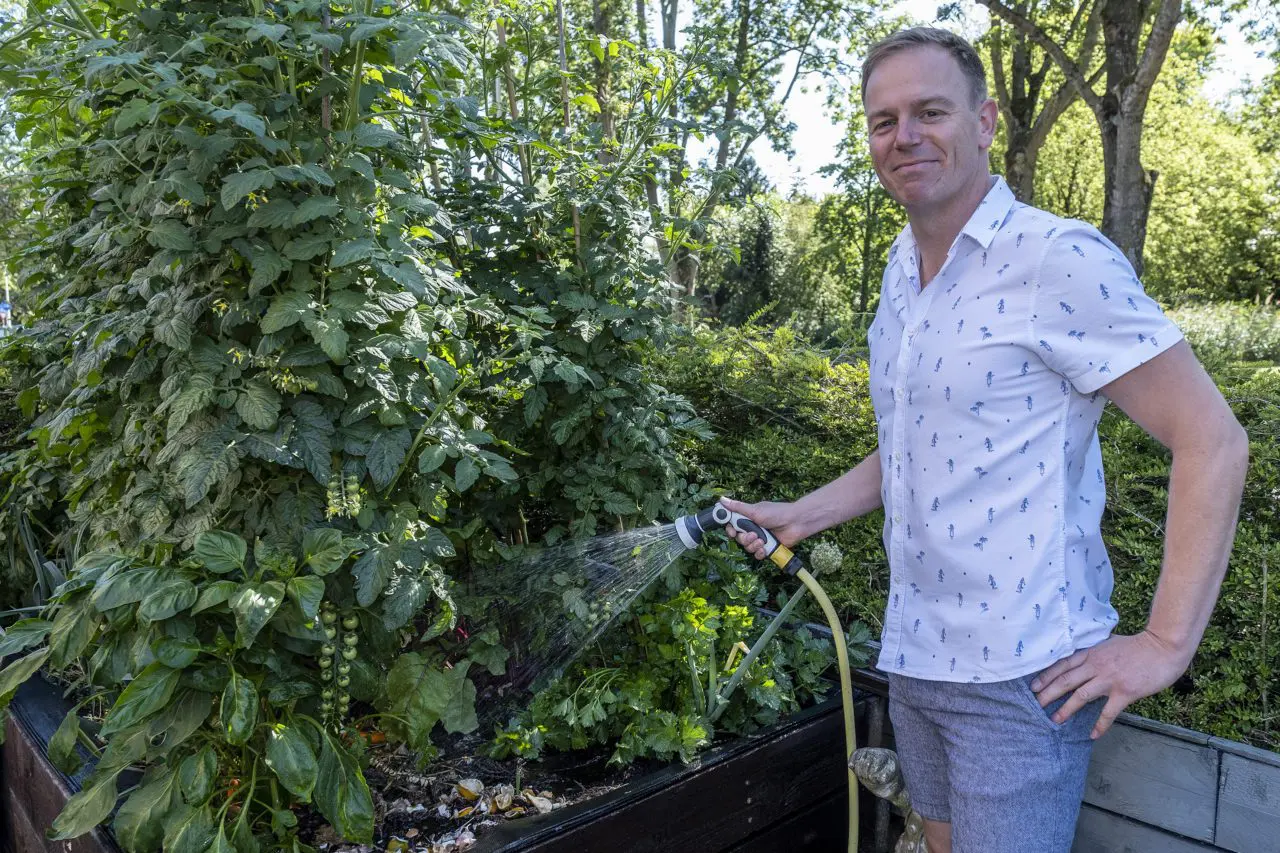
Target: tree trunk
(1028,117)
(650,181)
(1128,188)
(602,24)
(676,161)
(1130,74)
(1020,164)
(868,231)
(735,82)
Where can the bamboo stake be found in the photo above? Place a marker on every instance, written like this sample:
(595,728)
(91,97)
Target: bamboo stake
(526,167)
(564,97)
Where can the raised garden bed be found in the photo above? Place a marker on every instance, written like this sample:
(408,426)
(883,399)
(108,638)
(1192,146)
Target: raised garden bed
(780,790)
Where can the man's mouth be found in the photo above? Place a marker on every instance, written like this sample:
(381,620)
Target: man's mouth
(910,163)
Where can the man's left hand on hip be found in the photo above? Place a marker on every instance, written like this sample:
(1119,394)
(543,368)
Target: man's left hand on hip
(1122,668)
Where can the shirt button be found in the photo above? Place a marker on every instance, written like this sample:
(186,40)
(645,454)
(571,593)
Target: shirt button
(897,519)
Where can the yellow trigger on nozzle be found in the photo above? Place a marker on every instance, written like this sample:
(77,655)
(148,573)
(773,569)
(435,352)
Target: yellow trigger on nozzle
(785,560)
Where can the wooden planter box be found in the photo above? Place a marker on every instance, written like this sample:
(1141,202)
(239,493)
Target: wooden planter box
(782,790)
(34,791)
(1152,788)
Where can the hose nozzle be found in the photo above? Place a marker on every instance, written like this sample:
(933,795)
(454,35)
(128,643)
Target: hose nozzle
(691,529)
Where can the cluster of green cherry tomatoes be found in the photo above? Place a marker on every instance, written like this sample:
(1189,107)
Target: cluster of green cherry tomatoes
(336,657)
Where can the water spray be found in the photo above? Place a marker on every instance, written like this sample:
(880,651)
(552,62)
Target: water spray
(692,528)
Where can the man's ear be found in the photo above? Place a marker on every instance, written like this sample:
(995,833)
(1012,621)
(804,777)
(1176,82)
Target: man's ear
(988,115)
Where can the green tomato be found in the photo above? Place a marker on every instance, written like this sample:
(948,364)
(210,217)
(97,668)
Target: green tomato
(344,681)
(350,622)
(343,699)
(326,662)
(344,668)
(327,650)
(328,617)
(349,653)
(351,639)
(326,694)
(330,632)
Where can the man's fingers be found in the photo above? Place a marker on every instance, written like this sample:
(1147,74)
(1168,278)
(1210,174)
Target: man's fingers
(1083,695)
(1064,665)
(750,542)
(1069,680)
(1108,716)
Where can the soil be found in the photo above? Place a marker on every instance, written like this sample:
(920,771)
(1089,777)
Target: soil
(424,810)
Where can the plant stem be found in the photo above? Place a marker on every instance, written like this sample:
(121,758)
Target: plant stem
(722,700)
(435,415)
(357,77)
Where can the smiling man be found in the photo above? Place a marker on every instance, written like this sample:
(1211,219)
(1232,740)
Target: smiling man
(1002,332)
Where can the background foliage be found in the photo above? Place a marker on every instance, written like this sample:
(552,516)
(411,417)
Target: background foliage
(335,310)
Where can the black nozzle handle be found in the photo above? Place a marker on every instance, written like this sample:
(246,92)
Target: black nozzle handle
(739,522)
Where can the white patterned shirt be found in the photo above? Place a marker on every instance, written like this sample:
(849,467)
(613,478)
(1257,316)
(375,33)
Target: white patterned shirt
(985,388)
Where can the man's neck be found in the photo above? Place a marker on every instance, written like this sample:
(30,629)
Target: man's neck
(935,229)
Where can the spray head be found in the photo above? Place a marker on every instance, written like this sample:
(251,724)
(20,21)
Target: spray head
(691,529)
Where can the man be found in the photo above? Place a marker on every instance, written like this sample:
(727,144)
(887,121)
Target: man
(1001,333)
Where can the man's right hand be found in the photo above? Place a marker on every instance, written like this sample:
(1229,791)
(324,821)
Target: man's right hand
(780,519)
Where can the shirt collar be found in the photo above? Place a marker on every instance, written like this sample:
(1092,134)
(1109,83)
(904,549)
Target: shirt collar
(981,227)
(991,213)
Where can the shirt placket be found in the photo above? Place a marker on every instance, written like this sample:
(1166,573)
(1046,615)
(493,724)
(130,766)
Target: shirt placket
(897,494)
(918,302)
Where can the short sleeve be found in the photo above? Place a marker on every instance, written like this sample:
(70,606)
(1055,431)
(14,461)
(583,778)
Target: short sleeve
(1091,320)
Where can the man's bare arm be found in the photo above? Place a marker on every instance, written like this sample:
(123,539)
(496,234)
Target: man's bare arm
(854,493)
(1174,400)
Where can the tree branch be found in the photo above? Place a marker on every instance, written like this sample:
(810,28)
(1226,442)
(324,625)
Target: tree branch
(1153,56)
(1069,68)
(998,76)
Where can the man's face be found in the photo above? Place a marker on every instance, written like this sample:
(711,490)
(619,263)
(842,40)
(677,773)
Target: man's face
(928,141)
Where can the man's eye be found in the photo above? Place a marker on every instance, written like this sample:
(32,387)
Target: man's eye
(932,113)
(883,124)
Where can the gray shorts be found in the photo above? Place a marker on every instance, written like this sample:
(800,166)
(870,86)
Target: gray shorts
(989,760)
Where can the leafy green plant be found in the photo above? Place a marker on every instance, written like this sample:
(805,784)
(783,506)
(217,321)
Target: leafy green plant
(298,367)
(219,699)
(652,691)
(1223,332)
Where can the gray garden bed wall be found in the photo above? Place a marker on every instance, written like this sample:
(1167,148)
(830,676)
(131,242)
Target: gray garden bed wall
(1155,787)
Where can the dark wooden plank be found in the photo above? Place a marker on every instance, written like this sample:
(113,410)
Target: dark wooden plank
(730,795)
(34,793)
(1248,806)
(820,828)
(1163,781)
(1100,831)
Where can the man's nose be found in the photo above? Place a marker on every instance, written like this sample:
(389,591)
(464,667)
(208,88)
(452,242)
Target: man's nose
(906,134)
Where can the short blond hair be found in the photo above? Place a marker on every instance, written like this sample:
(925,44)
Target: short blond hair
(963,53)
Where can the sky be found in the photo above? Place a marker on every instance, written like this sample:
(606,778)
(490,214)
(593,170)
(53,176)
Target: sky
(815,137)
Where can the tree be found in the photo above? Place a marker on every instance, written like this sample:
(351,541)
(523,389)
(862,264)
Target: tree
(747,47)
(1031,98)
(1131,66)
(1213,223)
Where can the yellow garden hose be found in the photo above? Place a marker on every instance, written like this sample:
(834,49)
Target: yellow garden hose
(690,529)
(846,694)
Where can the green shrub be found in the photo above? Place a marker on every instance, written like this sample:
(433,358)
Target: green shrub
(788,420)
(1229,688)
(1224,332)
